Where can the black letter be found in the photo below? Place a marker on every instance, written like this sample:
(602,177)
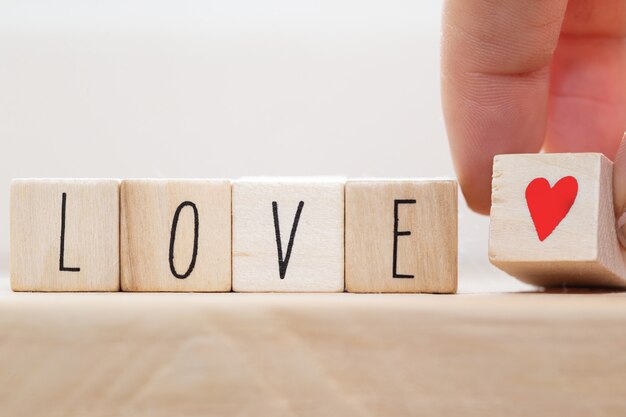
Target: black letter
(395,236)
(195,239)
(282,264)
(62,251)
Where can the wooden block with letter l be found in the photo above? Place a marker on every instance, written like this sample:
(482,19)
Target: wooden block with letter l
(288,235)
(552,220)
(401,236)
(175,235)
(65,235)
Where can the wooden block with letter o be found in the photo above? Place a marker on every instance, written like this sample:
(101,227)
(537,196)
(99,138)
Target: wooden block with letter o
(288,235)
(176,235)
(65,235)
(552,220)
(401,236)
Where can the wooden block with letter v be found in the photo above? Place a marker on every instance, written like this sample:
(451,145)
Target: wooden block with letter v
(175,235)
(288,235)
(65,235)
(401,236)
(552,220)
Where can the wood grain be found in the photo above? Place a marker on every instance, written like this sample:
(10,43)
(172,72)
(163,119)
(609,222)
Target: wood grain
(148,210)
(91,235)
(426,259)
(583,250)
(316,263)
(129,354)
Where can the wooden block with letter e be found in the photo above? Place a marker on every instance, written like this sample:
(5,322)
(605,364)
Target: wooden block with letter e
(552,220)
(175,235)
(288,235)
(65,235)
(401,236)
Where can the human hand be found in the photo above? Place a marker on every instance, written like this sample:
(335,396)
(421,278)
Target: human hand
(519,76)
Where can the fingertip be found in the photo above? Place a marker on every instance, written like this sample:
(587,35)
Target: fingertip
(477,194)
(478,205)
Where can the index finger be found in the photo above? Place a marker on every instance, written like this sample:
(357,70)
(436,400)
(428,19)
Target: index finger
(496,57)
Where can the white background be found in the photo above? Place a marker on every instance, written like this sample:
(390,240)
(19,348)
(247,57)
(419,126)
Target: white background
(226,88)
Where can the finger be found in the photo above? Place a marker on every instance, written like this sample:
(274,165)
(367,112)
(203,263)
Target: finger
(496,58)
(595,18)
(587,105)
(619,190)
(619,178)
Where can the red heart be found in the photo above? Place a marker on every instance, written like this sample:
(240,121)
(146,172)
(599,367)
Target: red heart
(548,206)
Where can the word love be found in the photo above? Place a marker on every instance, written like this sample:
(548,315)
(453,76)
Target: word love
(552,220)
(249,235)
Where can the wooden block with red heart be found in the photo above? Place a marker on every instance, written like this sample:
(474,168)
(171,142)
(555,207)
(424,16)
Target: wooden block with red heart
(552,220)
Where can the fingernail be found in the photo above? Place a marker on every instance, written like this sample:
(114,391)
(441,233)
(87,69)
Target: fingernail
(621,229)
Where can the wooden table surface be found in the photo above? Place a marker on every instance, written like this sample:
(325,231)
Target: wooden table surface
(498,354)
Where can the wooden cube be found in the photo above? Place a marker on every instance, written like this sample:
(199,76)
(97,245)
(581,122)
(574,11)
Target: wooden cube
(552,220)
(176,235)
(401,236)
(65,235)
(288,235)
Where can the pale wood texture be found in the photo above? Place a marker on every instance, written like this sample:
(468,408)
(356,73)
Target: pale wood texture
(317,258)
(129,354)
(429,253)
(91,235)
(583,250)
(148,209)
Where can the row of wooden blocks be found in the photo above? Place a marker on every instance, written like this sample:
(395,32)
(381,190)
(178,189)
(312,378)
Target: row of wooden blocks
(552,223)
(249,235)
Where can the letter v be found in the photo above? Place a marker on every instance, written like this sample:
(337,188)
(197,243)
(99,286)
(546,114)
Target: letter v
(282,263)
